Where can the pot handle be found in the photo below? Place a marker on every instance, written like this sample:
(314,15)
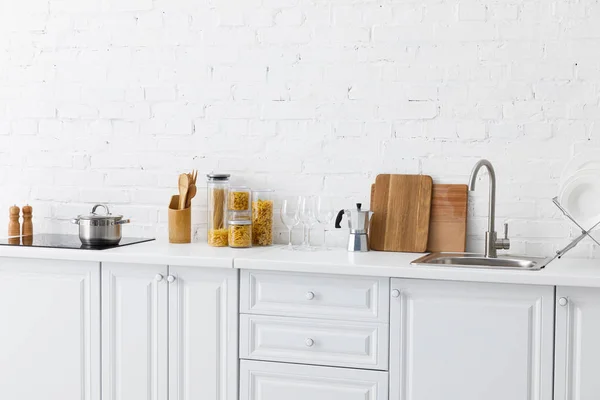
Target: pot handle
(123,221)
(107,212)
(75,221)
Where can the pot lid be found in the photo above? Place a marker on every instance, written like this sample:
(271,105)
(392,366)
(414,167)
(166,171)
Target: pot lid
(106,215)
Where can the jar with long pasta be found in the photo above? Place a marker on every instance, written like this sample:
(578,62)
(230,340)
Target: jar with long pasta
(217,189)
(238,199)
(262,217)
(240,233)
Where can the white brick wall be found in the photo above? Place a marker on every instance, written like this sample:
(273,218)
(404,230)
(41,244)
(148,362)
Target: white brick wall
(110,100)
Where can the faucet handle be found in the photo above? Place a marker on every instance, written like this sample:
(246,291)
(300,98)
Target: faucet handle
(504,243)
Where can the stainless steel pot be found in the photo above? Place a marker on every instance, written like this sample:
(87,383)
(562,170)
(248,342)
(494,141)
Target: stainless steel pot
(100,229)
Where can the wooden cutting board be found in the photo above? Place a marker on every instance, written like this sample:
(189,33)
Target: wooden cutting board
(448,220)
(401,206)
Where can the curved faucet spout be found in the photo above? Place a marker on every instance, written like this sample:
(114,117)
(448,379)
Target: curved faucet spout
(490,237)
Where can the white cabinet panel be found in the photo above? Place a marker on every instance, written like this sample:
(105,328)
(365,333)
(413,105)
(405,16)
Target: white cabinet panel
(305,295)
(470,341)
(577,344)
(49,330)
(274,381)
(134,332)
(314,341)
(203,334)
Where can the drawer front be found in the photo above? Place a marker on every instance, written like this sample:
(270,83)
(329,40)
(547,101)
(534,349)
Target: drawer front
(261,380)
(314,341)
(306,295)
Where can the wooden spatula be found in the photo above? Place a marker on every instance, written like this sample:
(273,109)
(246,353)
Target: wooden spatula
(190,195)
(184,185)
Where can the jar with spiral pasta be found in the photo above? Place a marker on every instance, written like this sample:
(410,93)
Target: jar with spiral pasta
(240,233)
(238,199)
(217,189)
(262,217)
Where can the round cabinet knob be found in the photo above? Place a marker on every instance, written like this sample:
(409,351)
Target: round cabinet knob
(158,277)
(310,295)
(395,293)
(309,342)
(563,301)
(170,279)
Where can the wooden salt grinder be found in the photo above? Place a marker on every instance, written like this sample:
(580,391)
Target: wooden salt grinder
(14,228)
(27,223)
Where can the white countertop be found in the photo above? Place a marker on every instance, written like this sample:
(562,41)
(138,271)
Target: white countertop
(154,252)
(564,272)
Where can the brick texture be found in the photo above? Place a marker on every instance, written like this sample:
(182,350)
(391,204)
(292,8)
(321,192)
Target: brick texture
(108,100)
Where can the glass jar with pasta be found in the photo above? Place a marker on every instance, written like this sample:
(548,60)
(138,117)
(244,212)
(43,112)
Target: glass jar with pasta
(262,217)
(240,233)
(238,199)
(217,188)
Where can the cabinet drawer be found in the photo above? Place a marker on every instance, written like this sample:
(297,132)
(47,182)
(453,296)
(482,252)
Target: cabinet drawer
(314,341)
(261,380)
(306,295)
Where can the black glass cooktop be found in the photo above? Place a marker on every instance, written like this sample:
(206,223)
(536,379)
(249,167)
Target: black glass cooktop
(56,241)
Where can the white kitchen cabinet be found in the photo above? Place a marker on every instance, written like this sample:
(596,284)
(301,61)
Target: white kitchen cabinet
(203,334)
(470,341)
(577,344)
(134,332)
(274,381)
(49,330)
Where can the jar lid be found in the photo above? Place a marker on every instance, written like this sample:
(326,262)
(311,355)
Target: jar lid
(240,222)
(262,190)
(218,177)
(239,189)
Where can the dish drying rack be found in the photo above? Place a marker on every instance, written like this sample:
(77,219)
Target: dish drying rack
(579,238)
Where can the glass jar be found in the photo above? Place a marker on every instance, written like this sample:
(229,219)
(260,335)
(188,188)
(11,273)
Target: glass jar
(240,233)
(262,217)
(217,188)
(239,199)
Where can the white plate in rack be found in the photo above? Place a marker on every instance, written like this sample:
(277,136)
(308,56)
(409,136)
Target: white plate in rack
(580,196)
(585,160)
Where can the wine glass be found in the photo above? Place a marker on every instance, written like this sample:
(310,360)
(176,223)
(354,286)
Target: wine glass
(325,215)
(289,214)
(308,218)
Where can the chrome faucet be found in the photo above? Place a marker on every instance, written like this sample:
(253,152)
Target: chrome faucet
(492,243)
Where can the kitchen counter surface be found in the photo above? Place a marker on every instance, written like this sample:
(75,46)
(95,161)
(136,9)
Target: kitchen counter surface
(563,272)
(154,252)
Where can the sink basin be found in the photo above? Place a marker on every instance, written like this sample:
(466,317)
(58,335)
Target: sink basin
(472,260)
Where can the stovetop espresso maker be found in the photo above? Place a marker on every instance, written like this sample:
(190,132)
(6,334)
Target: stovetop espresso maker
(358,223)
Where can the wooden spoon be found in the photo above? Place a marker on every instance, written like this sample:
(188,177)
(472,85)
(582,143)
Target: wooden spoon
(190,195)
(184,185)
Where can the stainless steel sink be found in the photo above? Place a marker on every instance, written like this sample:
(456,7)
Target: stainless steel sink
(472,260)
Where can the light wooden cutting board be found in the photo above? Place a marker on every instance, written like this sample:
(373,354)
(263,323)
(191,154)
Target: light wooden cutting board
(401,206)
(448,220)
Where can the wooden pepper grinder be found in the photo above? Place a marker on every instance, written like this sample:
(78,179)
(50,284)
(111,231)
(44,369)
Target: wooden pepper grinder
(14,228)
(27,225)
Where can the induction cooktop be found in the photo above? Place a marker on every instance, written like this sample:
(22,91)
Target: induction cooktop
(57,241)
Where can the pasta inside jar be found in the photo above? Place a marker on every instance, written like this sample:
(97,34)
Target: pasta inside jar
(218,237)
(240,234)
(262,222)
(238,199)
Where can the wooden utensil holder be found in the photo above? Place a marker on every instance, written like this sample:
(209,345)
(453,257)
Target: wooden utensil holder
(180,222)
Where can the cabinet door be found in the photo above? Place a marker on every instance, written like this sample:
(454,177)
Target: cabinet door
(275,381)
(134,332)
(203,334)
(577,344)
(49,330)
(470,341)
